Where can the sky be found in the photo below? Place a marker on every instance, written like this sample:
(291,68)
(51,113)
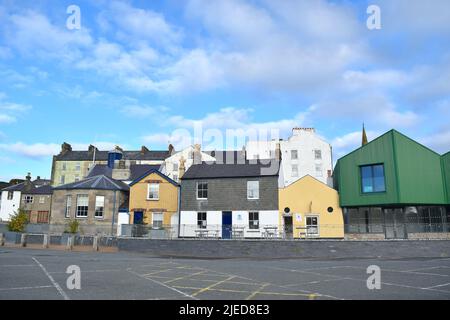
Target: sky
(153,72)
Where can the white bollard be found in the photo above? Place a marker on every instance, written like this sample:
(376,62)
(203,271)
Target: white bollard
(70,241)
(46,242)
(95,243)
(23,239)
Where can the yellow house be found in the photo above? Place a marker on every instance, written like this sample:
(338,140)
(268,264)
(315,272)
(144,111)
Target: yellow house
(310,209)
(154,200)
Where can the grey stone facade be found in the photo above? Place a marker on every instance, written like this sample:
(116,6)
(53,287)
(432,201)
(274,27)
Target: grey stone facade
(230,194)
(102,225)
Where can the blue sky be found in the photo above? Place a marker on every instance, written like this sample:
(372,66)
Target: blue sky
(145,72)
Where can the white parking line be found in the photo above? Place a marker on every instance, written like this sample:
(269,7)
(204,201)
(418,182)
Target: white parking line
(55,284)
(25,288)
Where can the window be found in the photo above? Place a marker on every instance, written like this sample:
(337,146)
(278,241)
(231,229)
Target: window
(28,199)
(62,179)
(41,200)
(295,170)
(10,195)
(82,205)
(77,166)
(77,178)
(294,154)
(312,225)
(42,217)
(99,206)
(175,177)
(201,220)
(319,170)
(202,190)
(68,206)
(157,220)
(252,189)
(318,154)
(153,191)
(64,166)
(175,167)
(253,220)
(372,178)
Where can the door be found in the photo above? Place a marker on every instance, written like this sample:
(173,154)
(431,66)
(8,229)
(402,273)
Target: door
(226,224)
(394,221)
(138,217)
(288,227)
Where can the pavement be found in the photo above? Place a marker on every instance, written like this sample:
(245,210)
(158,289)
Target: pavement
(41,274)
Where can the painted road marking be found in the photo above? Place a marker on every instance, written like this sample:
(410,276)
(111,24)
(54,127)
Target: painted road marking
(55,284)
(25,288)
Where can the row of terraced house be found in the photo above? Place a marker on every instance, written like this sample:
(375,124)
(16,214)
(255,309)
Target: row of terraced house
(391,187)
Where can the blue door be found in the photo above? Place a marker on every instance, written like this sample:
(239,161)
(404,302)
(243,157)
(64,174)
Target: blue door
(226,225)
(138,217)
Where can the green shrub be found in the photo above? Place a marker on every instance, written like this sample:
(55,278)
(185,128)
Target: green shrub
(73,226)
(18,221)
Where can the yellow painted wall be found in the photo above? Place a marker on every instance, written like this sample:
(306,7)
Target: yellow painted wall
(310,197)
(71,171)
(168,199)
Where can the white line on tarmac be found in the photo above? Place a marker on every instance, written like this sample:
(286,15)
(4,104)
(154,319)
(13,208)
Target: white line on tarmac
(25,288)
(55,284)
(162,284)
(17,265)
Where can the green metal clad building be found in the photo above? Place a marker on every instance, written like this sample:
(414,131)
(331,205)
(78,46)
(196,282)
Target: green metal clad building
(394,186)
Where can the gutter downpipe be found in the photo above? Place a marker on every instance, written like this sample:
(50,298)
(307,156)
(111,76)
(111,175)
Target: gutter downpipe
(179,212)
(113,213)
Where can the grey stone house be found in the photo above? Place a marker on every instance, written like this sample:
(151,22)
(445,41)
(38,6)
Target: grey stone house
(37,203)
(94,202)
(229,200)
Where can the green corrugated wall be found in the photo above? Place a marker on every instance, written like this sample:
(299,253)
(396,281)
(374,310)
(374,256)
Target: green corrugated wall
(413,173)
(446,168)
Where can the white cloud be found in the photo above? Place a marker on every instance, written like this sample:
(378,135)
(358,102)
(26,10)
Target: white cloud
(36,150)
(349,142)
(4,118)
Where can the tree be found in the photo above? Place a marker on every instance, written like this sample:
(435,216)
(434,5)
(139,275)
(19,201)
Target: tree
(18,221)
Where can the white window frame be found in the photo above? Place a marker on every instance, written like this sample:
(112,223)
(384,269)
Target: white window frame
(253,226)
(10,195)
(97,206)
(204,223)
(68,206)
(197,190)
(87,207)
(28,199)
(249,189)
(77,166)
(62,179)
(317,152)
(292,154)
(42,199)
(158,214)
(148,191)
(319,173)
(64,166)
(317,233)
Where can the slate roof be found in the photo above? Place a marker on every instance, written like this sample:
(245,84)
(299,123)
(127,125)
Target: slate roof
(4,185)
(103,155)
(208,170)
(99,182)
(41,182)
(46,189)
(162,175)
(23,187)
(227,157)
(137,170)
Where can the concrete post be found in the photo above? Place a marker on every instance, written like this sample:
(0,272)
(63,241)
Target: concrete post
(2,239)
(95,245)
(70,241)
(23,239)
(46,242)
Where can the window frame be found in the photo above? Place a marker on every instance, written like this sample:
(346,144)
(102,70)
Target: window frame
(68,206)
(26,199)
(252,219)
(77,215)
(317,233)
(148,191)
(10,195)
(41,199)
(372,178)
(102,216)
(317,152)
(200,220)
(293,151)
(203,190)
(248,189)
(292,170)
(161,214)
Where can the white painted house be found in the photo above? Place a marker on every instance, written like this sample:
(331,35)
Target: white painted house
(10,198)
(303,153)
(186,157)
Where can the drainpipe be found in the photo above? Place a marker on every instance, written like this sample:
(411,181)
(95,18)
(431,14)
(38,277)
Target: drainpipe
(179,212)
(113,213)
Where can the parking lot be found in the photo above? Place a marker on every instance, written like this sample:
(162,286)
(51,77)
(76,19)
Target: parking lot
(41,274)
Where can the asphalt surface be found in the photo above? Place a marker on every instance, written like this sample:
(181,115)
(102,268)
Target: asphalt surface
(41,274)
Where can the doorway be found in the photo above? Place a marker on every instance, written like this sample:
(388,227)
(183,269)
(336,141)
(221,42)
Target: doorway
(138,217)
(288,228)
(226,224)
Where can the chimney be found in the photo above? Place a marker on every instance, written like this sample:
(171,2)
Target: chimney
(65,147)
(28,177)
(144,150)
(329,173)
(181,167)
(91,148)
(171,149)
(297,131)
(38,178)
(197,154)
(278,152)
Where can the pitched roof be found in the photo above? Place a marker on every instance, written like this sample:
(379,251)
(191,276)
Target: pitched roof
(41,182)
(4,185)
(145,174)
(99,182)
(249,169)
(23,187)
(137,170)
(228,157)
(45,189)
(103,155)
